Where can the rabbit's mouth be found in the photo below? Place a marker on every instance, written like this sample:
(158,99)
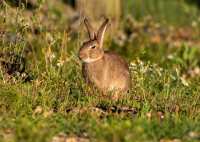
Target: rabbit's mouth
(90,60)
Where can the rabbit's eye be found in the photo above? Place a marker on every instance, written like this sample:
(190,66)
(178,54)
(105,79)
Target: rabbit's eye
(93,47)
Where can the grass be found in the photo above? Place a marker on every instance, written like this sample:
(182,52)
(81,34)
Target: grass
(165,12)
(50,98)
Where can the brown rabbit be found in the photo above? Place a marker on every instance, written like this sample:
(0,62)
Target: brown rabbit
(105,70)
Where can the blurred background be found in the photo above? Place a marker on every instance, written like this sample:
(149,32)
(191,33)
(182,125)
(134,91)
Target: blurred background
(152,30)
(156,31)
(43,95)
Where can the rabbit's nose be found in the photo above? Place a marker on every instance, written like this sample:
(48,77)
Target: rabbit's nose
(82,55)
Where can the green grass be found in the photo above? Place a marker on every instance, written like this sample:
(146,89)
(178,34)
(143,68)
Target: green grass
(170,11)
(163,100)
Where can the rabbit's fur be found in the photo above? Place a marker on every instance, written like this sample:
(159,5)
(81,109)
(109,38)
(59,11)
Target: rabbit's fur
(105,70)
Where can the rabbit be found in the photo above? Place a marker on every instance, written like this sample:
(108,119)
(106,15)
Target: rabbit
(106,70)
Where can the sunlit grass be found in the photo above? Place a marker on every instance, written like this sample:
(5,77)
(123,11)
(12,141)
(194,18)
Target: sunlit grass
(50,97)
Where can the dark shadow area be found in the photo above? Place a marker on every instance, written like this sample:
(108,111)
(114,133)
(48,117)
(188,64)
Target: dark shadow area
(28,4)
(195,2)
(14,65)
(72,3)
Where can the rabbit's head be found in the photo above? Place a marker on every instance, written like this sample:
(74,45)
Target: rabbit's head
(92,50)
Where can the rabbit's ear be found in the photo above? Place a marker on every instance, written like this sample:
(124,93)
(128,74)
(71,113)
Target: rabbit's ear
(90,29)
(101,32)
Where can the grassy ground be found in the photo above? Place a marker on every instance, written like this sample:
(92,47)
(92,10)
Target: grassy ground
(43,96)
